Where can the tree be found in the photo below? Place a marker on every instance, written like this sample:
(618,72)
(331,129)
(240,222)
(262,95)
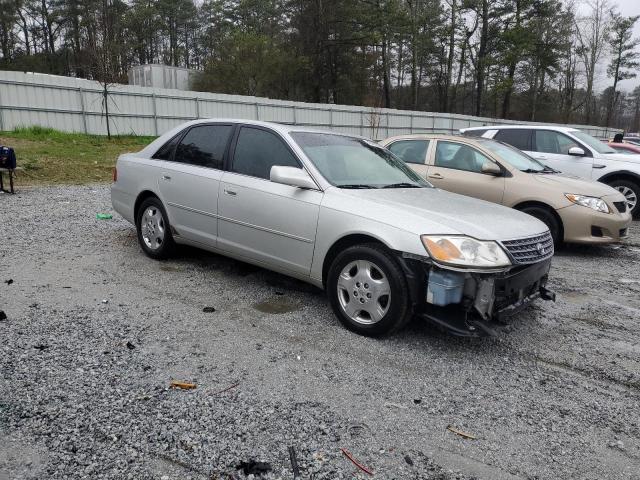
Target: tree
(592,31)
(624,56)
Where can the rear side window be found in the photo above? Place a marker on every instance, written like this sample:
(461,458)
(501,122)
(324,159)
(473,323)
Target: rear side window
(548,141)
(459,157)
(516,137)
(166,151)
(411,151)
(258,150)
(204,146)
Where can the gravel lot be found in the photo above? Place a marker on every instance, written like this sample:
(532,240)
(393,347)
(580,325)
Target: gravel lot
(95,332)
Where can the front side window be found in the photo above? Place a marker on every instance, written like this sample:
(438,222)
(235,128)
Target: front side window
(459,157)
(548,141)
(350,162)
(411,151)
(594,143)
(517,137)
(204,146)
(258,150)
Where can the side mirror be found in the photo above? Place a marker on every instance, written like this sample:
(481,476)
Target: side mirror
(295,177)
(576,152)
(491,168)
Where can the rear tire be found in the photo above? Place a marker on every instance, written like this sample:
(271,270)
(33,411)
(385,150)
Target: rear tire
(368,290)
(549,219)
(154,231)
(631,191)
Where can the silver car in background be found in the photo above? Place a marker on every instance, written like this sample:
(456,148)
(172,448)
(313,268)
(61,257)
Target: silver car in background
(339,212)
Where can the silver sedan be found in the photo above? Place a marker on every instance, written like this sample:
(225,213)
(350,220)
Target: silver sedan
(340,212)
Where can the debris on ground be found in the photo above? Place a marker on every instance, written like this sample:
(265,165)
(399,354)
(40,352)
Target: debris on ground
(41,346)
(182,385)
(408,459)
(253,467)
(9,282)
(294,462)
(130,346)
(417,401)
(3,316)
(453,429)
(227,389)
(104,216)
(347,454)
(208,309)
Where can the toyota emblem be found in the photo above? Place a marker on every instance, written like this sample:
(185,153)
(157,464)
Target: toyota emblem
(540,248)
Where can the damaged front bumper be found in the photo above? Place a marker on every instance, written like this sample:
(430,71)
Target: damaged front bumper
(476,303)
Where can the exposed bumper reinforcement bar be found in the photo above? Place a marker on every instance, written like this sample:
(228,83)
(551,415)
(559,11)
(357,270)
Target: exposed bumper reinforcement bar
(456,321)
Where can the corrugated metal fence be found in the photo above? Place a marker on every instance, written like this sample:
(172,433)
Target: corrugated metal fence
(76,105)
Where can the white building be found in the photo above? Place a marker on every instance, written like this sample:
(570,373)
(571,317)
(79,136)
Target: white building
(161,76)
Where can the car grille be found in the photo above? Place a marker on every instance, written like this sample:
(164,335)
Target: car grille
(530,249)
(621,206)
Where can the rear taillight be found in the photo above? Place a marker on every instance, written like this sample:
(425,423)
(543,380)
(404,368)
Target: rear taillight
(115,174)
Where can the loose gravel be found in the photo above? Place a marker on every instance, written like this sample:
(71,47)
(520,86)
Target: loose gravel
(95,332)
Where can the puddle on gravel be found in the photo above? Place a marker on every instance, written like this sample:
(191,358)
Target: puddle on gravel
(573,296)
(276,306)
(171,268)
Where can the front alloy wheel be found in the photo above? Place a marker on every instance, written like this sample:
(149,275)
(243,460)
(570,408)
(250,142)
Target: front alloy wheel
(631,192)
(364,292)
(367,290)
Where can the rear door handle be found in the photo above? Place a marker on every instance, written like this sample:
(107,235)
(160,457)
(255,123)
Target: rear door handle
(230,192)
(437,176)
(166,177)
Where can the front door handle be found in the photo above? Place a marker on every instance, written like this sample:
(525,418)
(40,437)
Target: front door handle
(599,165)
(230,192)
(166,177)
(437,176)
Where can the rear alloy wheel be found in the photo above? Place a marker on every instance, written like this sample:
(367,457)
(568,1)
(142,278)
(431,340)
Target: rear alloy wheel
(368,290)
(549,219)
(154,233)
(631,192)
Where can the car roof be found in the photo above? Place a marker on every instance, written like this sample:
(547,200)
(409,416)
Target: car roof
(280,127)
(558,128)
(430,136)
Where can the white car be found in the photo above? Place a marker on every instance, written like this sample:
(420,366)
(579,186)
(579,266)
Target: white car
(340,212)
(572,152)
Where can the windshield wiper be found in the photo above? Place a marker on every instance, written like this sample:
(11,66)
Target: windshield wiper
(402,185)
(531,170)
(354,186)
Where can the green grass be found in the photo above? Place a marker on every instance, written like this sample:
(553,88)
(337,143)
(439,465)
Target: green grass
(49,156)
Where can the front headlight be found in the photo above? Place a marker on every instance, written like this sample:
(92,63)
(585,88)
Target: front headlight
(594,203)
(465,251)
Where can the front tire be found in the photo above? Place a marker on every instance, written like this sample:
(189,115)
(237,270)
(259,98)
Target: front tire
(631,192)
(368,290)
(550,220)
(154,231)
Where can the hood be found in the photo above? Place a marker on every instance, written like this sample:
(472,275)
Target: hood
(435,211)
(575,185)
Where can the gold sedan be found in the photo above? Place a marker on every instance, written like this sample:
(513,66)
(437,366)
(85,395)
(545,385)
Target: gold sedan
(575,210)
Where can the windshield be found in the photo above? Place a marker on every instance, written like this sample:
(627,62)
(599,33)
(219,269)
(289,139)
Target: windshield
(349,162)
(513,156)
(594,143)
